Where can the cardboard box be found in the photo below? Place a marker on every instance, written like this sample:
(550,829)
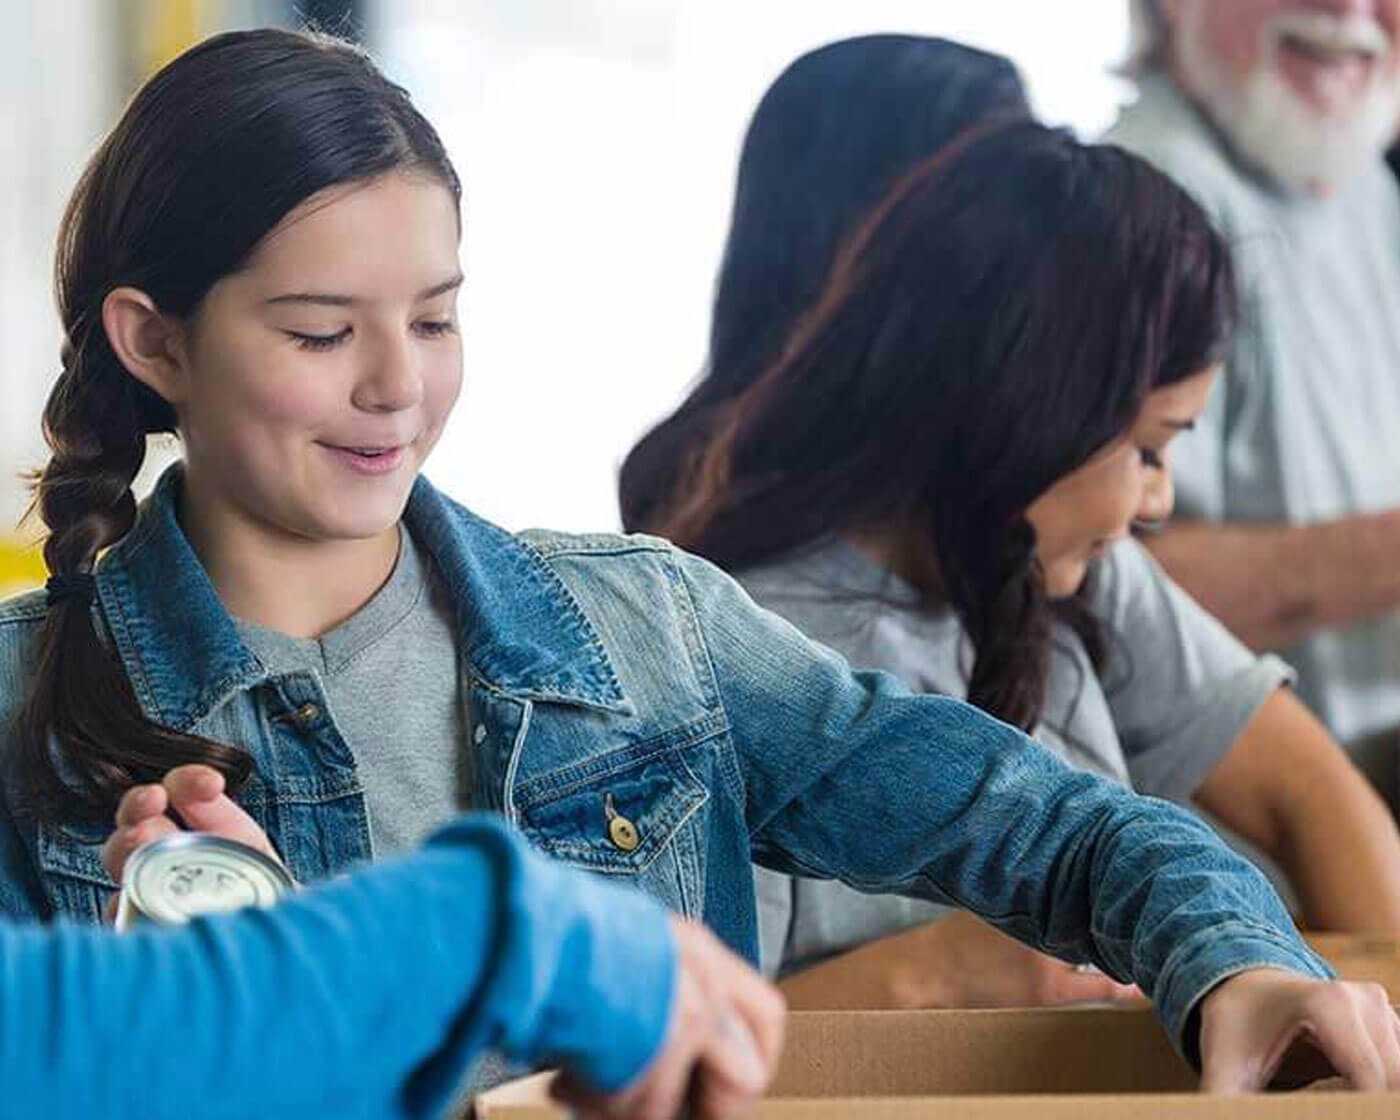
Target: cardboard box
(1079,1064)
(1361,957)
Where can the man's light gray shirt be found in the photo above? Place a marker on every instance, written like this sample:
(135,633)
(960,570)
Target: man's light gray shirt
(1305,425)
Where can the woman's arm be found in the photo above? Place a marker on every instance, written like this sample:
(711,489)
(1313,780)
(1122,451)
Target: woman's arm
(365,997)
(957,961)
(1287,787)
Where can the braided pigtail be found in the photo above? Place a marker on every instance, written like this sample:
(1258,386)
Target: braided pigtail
(84,738)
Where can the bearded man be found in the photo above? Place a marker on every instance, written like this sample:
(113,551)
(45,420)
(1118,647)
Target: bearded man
(1276,114)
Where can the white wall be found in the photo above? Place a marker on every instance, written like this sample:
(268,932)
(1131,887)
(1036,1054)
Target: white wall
(597,141)
(56,99)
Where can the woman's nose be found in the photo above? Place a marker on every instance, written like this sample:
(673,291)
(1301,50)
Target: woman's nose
(1157,499)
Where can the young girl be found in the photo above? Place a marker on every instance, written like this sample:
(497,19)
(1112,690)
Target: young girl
(938,478)
(262,257)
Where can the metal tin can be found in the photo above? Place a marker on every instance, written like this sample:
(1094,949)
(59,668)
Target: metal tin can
(173,879)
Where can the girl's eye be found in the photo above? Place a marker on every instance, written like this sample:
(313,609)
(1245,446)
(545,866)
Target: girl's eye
(320,341)
(1150,458)
(434,328)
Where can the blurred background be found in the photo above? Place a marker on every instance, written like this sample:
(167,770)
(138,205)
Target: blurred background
(597,140)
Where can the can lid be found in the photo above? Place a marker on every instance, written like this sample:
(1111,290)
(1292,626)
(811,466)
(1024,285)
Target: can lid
(174,878)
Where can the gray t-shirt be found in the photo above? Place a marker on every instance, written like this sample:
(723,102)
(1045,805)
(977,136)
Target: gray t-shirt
(1302,428)
(1174,693)
(391,674)
(391,679)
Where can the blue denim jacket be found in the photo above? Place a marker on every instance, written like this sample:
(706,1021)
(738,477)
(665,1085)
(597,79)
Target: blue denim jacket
(616,677)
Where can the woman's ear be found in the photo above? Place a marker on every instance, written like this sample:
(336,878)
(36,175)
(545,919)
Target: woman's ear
(149,343)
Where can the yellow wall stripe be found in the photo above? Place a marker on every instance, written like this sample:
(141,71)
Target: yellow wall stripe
(21,565)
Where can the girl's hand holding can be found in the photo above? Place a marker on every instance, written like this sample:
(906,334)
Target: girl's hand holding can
(194,794)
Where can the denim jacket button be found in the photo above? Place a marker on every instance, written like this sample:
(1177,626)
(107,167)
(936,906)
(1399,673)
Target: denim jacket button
(623,834)
(307,713)
(479,734)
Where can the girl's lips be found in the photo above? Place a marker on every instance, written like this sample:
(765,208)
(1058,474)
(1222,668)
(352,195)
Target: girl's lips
(360,460)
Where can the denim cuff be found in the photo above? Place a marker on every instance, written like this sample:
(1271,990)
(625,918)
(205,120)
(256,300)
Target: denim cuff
(1201,962)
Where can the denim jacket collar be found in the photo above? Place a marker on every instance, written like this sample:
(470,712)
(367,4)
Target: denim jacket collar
(523,631)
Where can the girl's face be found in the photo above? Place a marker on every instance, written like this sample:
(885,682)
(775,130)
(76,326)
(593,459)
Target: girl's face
(1079,517)
(319,377)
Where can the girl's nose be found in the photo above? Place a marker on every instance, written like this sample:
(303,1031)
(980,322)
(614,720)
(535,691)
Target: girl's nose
(391,381)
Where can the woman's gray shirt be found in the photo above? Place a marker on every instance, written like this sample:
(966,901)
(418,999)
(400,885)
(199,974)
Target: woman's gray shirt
(1175,692)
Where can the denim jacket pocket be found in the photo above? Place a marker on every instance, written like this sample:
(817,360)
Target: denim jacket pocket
(70,863)
(632,811)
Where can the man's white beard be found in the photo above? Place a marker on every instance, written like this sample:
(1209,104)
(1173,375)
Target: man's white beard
(1272,127)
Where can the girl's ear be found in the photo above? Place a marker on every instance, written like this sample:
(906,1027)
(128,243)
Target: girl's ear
(149,343)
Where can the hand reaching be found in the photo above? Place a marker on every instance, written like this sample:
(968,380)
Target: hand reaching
(1266,1022)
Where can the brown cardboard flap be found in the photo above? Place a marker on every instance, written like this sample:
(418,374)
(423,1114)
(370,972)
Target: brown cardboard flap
(1361,957)
(1172,1106)
(1067,1064)
(526,1096)
(914,1053)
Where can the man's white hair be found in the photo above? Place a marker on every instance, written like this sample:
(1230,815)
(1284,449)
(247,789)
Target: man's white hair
(1148,38)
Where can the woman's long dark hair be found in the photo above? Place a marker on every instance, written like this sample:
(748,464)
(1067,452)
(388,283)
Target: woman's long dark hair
(211,154)
(833,133)
(996,321)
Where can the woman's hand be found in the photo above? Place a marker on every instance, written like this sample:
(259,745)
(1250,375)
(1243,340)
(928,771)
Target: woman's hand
(193,793)
(957,961)
(1266,1022)
(721,1048)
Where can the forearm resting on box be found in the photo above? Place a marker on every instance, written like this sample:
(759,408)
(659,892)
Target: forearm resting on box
(1275,584)
(957,961)
(877,976)
(1288,787)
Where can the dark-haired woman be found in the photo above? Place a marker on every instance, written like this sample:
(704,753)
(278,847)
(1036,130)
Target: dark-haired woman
(939,477)
(831,135)
(262,257)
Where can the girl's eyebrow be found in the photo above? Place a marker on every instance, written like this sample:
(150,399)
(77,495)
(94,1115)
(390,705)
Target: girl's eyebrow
(1179,425)
(328,299)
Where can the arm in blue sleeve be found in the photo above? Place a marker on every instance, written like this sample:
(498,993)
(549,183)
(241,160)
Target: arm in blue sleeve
(368,996)
(850,776)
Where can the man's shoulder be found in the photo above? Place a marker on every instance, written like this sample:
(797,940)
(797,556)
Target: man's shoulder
(1163,128)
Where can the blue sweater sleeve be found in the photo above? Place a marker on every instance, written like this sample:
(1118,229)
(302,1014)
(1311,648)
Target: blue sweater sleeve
(367,996)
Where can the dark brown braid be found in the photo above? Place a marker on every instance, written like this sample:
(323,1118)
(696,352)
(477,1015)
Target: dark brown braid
(82,709)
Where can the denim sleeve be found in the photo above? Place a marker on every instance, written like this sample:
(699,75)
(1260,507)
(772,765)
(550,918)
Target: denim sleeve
(21,896)
(849,775)
(365,997)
